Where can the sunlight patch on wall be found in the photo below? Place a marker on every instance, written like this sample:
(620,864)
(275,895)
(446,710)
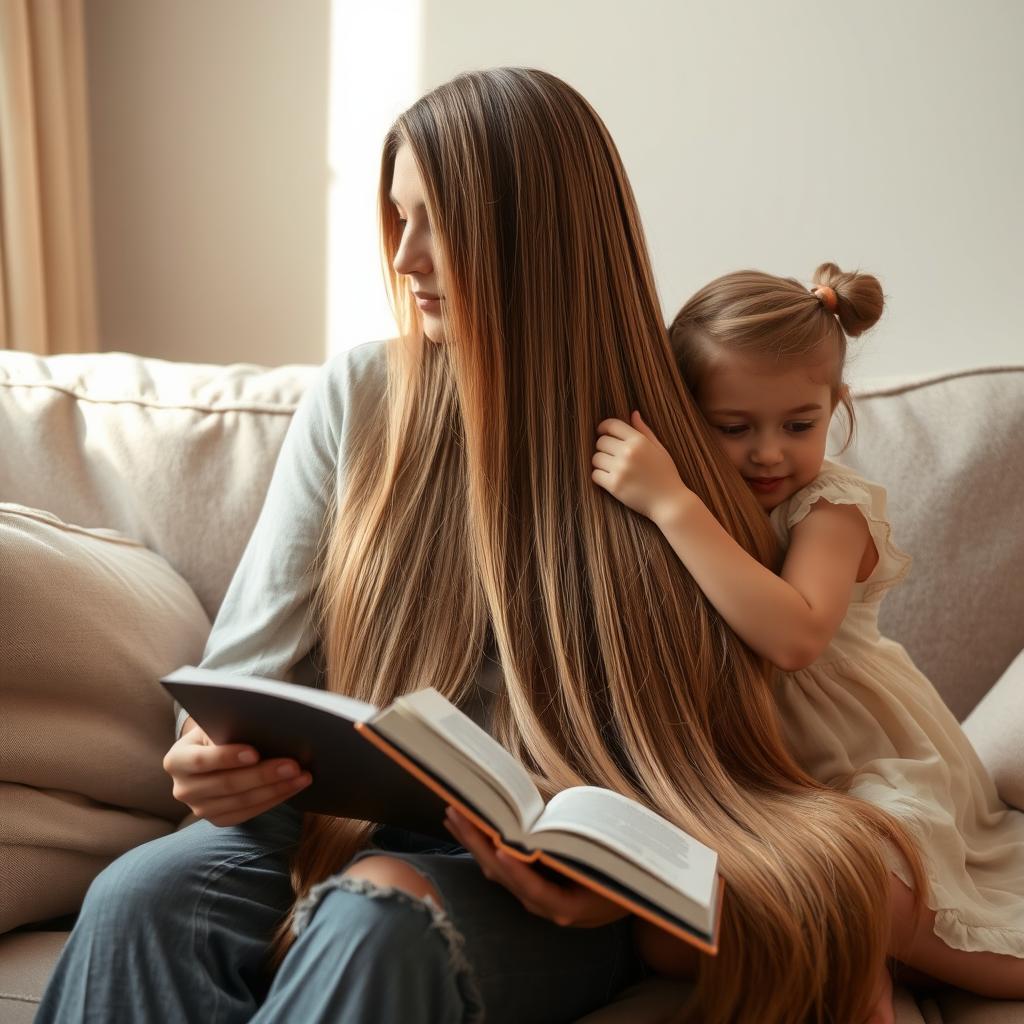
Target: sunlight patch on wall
(375,75)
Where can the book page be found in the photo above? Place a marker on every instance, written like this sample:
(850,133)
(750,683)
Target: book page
(636,833)
(475,743)
(437,758)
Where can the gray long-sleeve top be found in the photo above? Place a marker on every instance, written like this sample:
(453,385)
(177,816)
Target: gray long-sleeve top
(264,625)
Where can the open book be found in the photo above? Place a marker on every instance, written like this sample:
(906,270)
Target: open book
(402,765)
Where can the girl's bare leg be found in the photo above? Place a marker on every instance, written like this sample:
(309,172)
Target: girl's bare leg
(882,1010)
(662,953)
(914,942)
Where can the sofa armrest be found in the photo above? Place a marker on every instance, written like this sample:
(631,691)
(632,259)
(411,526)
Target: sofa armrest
(996,731)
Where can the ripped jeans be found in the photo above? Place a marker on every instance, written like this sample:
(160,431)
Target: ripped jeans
(177,930)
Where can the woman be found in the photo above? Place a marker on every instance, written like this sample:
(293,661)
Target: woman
(448,474)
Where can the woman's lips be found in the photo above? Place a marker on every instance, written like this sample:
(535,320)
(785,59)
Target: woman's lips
(428,303)
(764,484)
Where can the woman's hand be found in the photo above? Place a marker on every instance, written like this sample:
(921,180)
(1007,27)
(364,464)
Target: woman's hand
(218,785)
(635,467)
(570,904)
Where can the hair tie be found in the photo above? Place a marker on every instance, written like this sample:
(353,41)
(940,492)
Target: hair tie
(827,297)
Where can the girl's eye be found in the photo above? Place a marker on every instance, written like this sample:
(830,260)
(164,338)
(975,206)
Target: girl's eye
(732,429)
(800,426)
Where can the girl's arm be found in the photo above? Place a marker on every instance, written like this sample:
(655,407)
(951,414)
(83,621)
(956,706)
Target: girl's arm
(789,619)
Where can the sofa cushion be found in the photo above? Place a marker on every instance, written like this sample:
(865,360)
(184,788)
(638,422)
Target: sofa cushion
(26,962)
(946,447)
(996,731)
(159,450)
(91,620)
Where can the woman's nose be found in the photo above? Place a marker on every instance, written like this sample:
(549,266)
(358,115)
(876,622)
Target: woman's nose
(412,257)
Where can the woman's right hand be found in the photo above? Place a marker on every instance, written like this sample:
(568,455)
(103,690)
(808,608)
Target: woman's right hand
(218,785)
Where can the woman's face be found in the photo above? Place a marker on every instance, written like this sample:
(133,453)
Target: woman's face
(415,257)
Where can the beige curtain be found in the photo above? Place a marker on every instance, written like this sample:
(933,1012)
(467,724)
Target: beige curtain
(47,285)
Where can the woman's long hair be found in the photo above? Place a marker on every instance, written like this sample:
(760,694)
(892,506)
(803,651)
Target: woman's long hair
(479,513)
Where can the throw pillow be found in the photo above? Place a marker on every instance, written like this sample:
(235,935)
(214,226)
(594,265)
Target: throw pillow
(995,728)
(91,620)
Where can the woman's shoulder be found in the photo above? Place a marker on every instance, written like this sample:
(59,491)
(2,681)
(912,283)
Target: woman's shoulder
(357,367)
(350,384)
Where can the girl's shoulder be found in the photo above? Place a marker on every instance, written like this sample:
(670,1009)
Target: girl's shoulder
(840,485)
(837,484)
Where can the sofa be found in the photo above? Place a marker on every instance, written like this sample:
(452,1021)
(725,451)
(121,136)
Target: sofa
(128,488)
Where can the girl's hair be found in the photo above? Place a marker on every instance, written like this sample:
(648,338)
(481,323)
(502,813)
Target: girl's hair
(776,317)
(469,506)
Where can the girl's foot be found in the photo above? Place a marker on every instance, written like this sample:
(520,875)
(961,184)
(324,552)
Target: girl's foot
(882,1010)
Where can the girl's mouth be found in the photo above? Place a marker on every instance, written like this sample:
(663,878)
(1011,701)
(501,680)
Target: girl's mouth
(764,484)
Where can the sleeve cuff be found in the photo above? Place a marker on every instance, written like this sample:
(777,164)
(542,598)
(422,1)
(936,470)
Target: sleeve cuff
(180,714)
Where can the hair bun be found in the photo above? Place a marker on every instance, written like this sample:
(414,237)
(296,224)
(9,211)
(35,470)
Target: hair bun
(859,300)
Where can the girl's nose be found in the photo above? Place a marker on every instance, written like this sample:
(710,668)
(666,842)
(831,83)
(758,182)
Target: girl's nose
(766,455)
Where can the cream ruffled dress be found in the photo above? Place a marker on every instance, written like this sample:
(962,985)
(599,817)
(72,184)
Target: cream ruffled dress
(862,710)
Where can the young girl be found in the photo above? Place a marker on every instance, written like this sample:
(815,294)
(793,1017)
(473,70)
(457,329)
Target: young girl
(763,356)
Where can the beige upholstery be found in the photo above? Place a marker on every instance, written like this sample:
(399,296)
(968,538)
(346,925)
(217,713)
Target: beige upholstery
(26,959)
(948,450)
(153,449)
(996,730)
(91,620)
(177,457)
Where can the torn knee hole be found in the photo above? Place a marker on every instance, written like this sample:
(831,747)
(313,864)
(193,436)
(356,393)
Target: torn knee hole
(392,873)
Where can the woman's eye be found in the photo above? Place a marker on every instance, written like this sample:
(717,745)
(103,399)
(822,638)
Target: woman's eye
(800,426)
(732,429)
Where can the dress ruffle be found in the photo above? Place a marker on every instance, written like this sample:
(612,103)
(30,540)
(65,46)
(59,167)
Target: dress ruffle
(839,486)
(949,924)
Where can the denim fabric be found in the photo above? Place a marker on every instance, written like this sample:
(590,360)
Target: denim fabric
(177,930)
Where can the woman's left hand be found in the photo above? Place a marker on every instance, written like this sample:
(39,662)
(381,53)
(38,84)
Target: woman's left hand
(634,466)
(571,904)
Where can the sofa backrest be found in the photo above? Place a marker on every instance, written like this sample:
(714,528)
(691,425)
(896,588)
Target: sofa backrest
(176,455)
(179,456)
(947,448)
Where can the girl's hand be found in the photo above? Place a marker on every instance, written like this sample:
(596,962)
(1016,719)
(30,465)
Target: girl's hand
(217,785)
(634,466)
(568,905)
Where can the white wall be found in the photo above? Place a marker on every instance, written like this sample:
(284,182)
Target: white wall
(777,134)
(208,128)
(884,134)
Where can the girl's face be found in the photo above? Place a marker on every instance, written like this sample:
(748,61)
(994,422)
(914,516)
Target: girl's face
(416,257)
(771,420)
